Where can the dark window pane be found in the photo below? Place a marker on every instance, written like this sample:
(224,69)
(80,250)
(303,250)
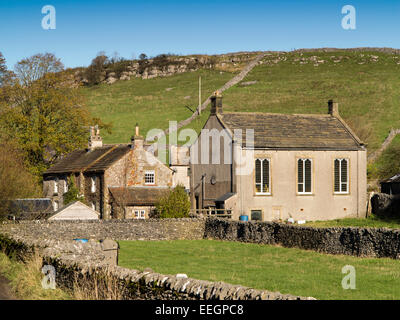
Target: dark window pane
(308,175)
(258,171)
(337,175)
(265,176)
(344,170)
(256,215)
(300,170)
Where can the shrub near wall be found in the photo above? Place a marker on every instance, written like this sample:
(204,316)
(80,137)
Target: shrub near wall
(363,242)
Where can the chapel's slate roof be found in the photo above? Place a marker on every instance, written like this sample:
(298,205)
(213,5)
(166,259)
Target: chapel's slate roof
(144,196)
(98,159)
(288,131)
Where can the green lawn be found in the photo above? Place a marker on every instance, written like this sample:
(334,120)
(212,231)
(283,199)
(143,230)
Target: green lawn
(370,222)
(274,268)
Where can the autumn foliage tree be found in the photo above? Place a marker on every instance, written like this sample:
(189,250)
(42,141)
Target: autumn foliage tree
(43,112)
(15,180)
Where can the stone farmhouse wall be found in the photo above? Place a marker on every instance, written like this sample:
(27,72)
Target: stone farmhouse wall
(361,242)
(83,264)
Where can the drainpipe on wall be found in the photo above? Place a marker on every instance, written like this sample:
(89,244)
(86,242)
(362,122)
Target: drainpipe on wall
(203,190)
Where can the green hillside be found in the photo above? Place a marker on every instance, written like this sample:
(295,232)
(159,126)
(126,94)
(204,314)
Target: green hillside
(152,103)
(366,85)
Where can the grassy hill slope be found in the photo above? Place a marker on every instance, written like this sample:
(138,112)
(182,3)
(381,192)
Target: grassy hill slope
(365,83)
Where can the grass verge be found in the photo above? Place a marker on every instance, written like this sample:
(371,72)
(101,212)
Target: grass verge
(26,279)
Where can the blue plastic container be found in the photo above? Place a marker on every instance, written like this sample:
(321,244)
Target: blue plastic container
(82,240)
(244,218)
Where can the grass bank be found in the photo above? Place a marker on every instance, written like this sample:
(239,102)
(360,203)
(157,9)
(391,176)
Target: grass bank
(26,279)
(287,270)
(370,222)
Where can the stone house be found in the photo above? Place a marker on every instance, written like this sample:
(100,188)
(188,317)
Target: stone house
(279,166)
(100,168)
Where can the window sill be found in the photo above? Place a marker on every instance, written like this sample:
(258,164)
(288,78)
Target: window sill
(341,193)
(262,194)
(305,194)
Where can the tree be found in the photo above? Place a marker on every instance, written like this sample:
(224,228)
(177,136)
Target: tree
(15,179)
(5,75)
(73,193)
(175,204)
(33,68)
(95,73)
(142,56)
(46,117)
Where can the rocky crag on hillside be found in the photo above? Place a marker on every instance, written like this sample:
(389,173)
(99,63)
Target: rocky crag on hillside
(164,66)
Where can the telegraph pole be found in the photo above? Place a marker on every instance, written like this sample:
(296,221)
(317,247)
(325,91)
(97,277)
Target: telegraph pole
(199,95)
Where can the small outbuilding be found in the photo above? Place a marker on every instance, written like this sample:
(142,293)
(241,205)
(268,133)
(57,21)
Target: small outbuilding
(30,209)
(75,211)
(391,185)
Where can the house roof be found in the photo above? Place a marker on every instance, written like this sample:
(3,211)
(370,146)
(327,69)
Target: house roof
(394,179)
(146,196)
(98,159)
(225,197)
(31,209)
(287,131)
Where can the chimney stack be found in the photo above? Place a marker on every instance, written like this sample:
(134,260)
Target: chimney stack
(137,141)
(95,140)
(333,108)
(216,103)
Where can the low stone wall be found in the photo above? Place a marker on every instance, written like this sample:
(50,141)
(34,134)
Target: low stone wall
(82,266)
(149,229)
(362,242)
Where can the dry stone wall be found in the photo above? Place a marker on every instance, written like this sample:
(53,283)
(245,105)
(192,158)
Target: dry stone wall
(85,266)
(149,229)
(362,242)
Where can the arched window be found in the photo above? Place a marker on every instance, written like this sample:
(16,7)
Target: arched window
(304,176)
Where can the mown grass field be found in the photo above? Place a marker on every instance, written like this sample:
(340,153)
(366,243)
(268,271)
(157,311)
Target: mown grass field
(274,268)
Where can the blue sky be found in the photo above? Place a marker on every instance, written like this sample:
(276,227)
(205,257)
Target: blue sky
(83,28)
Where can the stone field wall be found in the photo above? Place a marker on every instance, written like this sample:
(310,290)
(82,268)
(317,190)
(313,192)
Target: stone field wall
(362,242)
(83,265)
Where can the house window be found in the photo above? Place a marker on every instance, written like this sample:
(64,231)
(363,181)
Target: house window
(149,177)
(341,172)
(56,186)
(256,215)
(304,176)
(93,184)
(140,214)
(55,205)
(262,176)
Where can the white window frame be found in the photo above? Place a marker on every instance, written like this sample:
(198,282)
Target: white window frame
(262,176)
(56,205)
(93,184)
(65,185)
(140,214)
(56,186)
(304,176)
(340,176)
(150,172)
